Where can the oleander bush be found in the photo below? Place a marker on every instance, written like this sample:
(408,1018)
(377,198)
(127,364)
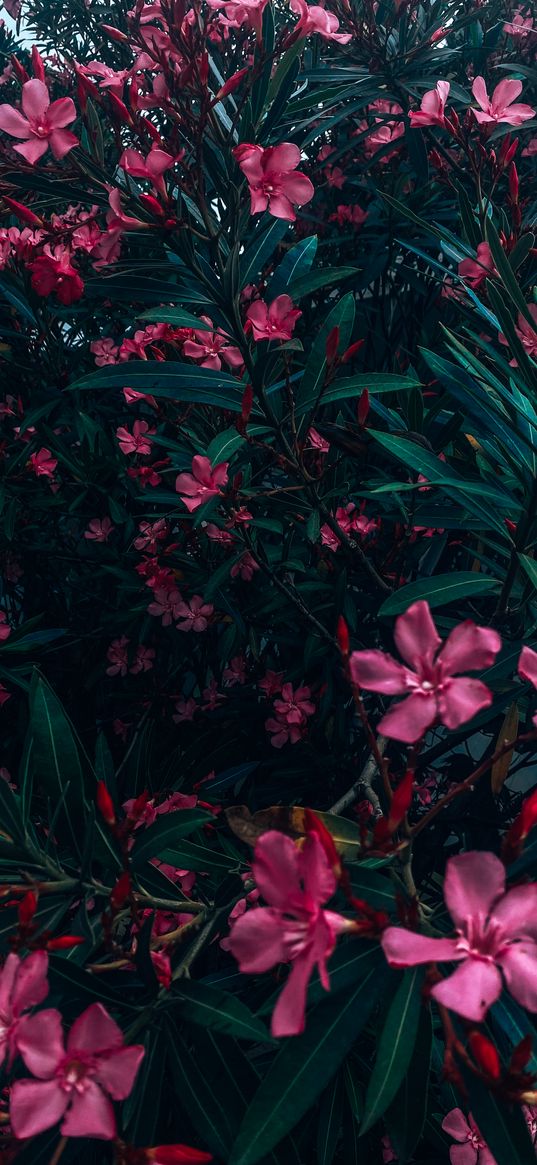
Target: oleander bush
(268,614)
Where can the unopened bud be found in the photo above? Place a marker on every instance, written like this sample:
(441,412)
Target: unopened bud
(27,908)
(342,636)
(105,804)
(23,212)
(363,408)
(120,891)
(231,84)
(485,1055)
(332,344)
(354,348)
(38,67)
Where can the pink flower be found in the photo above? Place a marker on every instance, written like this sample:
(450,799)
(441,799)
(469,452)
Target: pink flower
(245,568)
(313,18)
(499,107)
(433,105)
(117,655)
(202,484)
(105,352)
(272,180)
(165,603)
(208,347)
(295,705)
(239,12)
(527,669)
(5,629)
(99,530)
(193,616)
(470,1148)
(111,79)
(317,442)
(152,167)
(292,928)
(137,441)
(235,672)
(23,984)
(525,332)
(349,214)
(495,930)
(43,463)
(476,271)
(151,533)
(53,272)
(520,26)
(271,683)
(531,149)
(272,322)
(75,1081)
(281,732)
(185,710)
(143,660)
(4,695)
(437,692)
(41,124)
(389,126)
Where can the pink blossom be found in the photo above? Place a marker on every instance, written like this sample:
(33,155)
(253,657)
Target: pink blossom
(53,272)
(5,629)
(41,124)
(152,167)
(43,463)
(151,533)
(245,567)
(111,79)
(275,321)
(349,214)
(203,483)
(193,616)
(217,535)
(350,521)
(143,660)
(185,710)
(4,695)
(117,655)
(235,672)
(335,178)
(433,106)
(271,683)
(165,604)
(525,332)
(520,26)
(282,732)
(389,126)
(295,705)
(388,1154)
(470,1148)
(137,441)
(315,441)
(527,669)
(476,271)
(208,347)
(105,352)
(531,149)
(239,12)
(131,395)
(272,180)
(495,930)
(293,927)
(23,984)
(75,1082)
(499,107)
(437,692)
(313,18)
(213,698)
(99,530)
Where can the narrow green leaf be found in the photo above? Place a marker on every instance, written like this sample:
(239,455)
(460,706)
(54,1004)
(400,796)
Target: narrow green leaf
(56,758)
(395,1047)
(503,1129)
(166,830)
(439,590)
(172,379)
(202,1004)
(330,1114)
(341,316)
(296,263)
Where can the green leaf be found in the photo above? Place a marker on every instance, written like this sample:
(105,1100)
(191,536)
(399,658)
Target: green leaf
(395,1047)
(341,316)
(177,316)
(353,386)
(261,249)
(405,1117)
(189,856)
(506,273)
(296,263)
(173,379)
(503,1129)
(152,841)
(207,1107)
(376,889)
(317,279)
(530,568)
(304,1067)
(330,1114)
(141,1111)
(81,986)
(11,822)
(56,757)
(439,590)
(202,1004)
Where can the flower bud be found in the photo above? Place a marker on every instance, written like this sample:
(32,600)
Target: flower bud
(485,1055)
(120,891)
(332,344)
(342,636)
(105,804)
(231,84)
(38,67)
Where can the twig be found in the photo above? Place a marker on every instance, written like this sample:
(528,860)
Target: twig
(364,781)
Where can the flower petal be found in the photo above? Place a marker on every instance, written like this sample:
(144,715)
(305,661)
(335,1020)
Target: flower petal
(409,719)
(280,158)
(472,884)
(479,90)
(469,648)
(407,948)
(257,940)
(378,672)
(91,1115)
(456,1125)
(288,1017)
(35,99)
(415,635)
(13,122)
(117,1071)
(61,113)
(319,878)
(32,150)
(517,912)
(94,1031)
(527,665)
(36,1105)
(464,1155)
(470,990)
(461,699)
(40,1042)
(519,965)
(31,984)
(297,188)
(276,868)
(506,92)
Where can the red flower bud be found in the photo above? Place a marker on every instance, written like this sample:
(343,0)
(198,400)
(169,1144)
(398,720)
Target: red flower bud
(38,67)
(19,70)
(342,636)
(139,806)
(231,84)
(510,153)
(204,68)
(521,1054)
(354,348)
(513,183)
(517,834)
(115,34)
(22,212)
(313,824)
(177,1155)
(121,891)
(105,804)
(65,942)
(27,908)
(485,1055)
(119,110)
(246,408)
(153,205)
(332,344)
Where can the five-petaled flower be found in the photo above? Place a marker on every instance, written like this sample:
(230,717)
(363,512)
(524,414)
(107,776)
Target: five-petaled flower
(40,124)
(314,18)
(496,933)
(293,927)
(433,107)
(470,1148)
(274,321)
(272,178)
(435,690)
(43,463)
(136,442)
(500,107)
(74,1080)
(202,484)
